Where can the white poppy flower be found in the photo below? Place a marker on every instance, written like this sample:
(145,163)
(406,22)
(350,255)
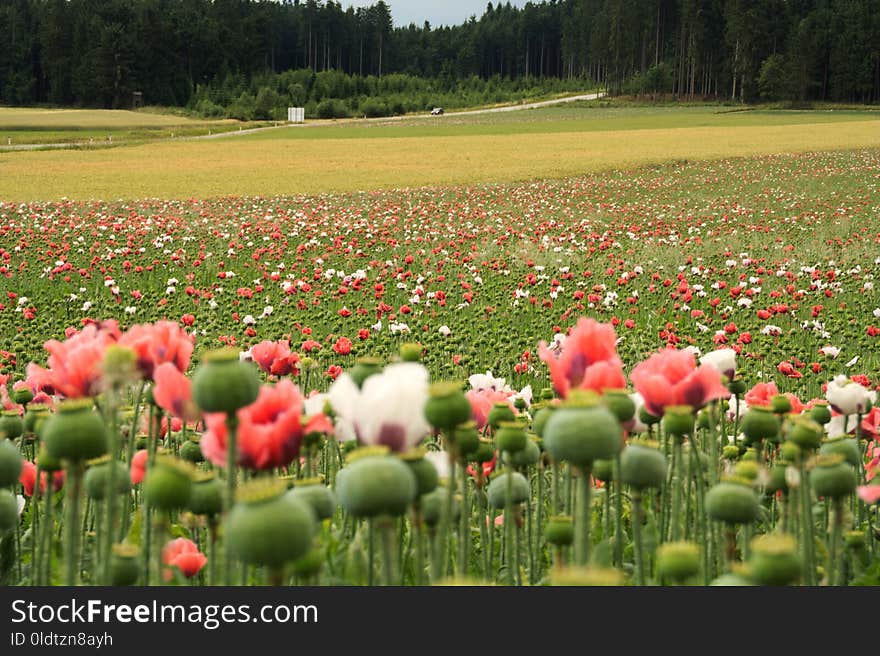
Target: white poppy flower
(722,360)
(388,409)
(848,397)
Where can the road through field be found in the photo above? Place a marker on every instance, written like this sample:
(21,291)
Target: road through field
(385,119)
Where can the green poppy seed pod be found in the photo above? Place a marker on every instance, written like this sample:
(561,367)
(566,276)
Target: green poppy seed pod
(750,455)
(620,404)
(590,576)
(75,432)
(317,495)
(467,439)
(22,396)
(780,404)
(704,419)
(774,560)
(820,412)
(519,491)
(804,432)
(603,470)
(433,503)
(790,451)
(11,425)
(525,457)
(678,420)
(485,452)
(11,463)
(647,418)
(737,386)
(411,352)
(119,364)
(730,452)
(268,527)
(777,481)
(309,564)
(446,406)
(191,451)
(732,579)
(224,383)
(34,417)
(510,436)
(732,502)
(500,412)
(582,434)
(47,463)
(845,446)
(98,478)
(376,485)
(206,495)
(678,561)
(747,470)
(365,368)
(424,470)
(559,530)
(759,423)
(519,403)
(833,477)
(539,421)
(8,511)
(642,465)
(125,564)
(546,393)
(168,483)
(854,540)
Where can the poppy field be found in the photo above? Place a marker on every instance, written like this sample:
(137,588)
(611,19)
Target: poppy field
(662,375)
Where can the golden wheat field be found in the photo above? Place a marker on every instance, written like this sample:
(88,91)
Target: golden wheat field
(260,165)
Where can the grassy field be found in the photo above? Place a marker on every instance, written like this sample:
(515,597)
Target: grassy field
(557,142)
(25,125)
(574,117)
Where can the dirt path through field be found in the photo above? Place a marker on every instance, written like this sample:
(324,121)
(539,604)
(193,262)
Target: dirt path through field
(385,119)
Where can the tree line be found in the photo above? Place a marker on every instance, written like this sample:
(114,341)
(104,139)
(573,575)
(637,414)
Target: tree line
(216,53)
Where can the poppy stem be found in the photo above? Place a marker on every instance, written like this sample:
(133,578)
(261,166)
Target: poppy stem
(45,551)
(371,551)
(807,528)
(465,525)
(637,536)
(586,516)
(231,463)
(419,543)
(386,526)
(834,546)
(675,515)
(508,530)
(618,513)
(75,472)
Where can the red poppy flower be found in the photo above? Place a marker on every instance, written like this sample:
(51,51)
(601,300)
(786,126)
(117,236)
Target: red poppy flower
(185,555)
(163,341)
(275,358)
(588,359)
(173,392)
(270,430)
(672,377)
(342,346)
(28,479)
(138,467)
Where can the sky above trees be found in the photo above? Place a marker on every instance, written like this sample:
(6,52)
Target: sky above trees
(437,12)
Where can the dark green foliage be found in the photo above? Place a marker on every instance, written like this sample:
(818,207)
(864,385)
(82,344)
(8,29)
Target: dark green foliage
(205,54)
